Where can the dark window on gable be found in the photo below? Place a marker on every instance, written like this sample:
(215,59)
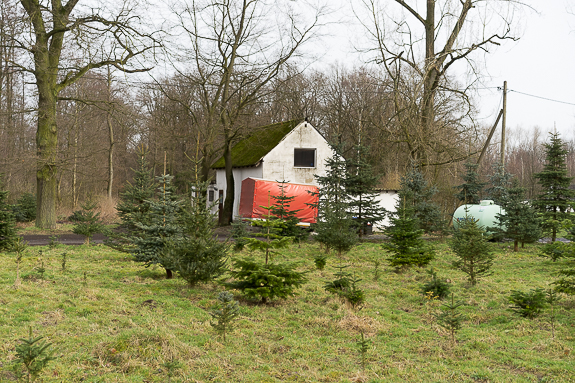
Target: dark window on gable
(304,158)
(210,196)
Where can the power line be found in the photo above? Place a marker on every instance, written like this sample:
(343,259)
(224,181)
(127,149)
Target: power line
(541,97)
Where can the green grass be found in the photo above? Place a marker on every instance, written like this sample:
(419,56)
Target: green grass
(128,321)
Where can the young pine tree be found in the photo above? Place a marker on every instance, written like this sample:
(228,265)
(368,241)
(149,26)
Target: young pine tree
(198,256)
(281,210)
(556,198)
(164,225)
(88,221)
(418,196)
(520,221)
(500,182)
(134,206)
(360,184)
(470,189)
(405,244)
(469,244)
(335,227)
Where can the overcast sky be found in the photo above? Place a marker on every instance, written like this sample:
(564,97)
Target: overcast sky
(539,66)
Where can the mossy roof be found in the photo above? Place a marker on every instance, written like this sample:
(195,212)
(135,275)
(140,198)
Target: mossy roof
(250,150)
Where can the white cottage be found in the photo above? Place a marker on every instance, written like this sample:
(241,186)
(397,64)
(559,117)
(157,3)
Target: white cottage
(293,151)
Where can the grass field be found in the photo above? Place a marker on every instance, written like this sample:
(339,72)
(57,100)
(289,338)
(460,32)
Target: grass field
(125,322)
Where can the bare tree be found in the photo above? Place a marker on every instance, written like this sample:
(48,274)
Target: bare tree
(423,50)
(67,41)
(237,47)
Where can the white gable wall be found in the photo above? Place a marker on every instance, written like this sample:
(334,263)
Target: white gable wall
(278,164)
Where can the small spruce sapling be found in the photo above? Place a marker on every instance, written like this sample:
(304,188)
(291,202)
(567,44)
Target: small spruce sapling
(450,319)
(363,346)
(469,244)
(272,241)
(19,247)
(528,304)
(64,259)
(436,288)
(88,221)
(239,234)
(225,314)
(320,260)
(171,367)
(34,354)
(552,297)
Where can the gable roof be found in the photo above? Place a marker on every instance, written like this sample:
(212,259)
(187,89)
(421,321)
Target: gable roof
(251,150)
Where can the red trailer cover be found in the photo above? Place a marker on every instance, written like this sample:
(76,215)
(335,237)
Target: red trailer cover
(255,191)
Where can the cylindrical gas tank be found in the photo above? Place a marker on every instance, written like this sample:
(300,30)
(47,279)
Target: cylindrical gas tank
(486,213)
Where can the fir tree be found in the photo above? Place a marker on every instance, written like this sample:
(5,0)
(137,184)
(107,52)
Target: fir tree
(198,256)
(520,221)
(450,319)
(88,221)
(134,206)
(225,314)
(360,184)
(164,225)
(334,226)
(469,244)
(281,210)
(499,184)
(405,244)
(470,189)
(7,223)
(418,196)
(556,198)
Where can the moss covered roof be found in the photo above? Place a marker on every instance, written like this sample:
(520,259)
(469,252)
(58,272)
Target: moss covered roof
(250,150)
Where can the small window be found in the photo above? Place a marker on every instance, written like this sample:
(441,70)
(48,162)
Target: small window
(210,195)
(304,158)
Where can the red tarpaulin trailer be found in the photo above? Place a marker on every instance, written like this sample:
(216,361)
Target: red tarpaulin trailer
(255,191)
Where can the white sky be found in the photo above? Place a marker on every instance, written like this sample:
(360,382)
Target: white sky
(541,63)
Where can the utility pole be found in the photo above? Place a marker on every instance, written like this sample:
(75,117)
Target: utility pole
(503,123)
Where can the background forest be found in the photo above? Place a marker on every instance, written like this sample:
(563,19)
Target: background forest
(104,114)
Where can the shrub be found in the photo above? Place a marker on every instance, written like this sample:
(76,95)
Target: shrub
(450,319)
(528,304)
(320,261)
(345,286)
(25,208)
(435,288)
(239,234)
(265,281)
(34,354)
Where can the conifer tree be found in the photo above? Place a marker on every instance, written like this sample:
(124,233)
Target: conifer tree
(405,244)
(360,184)
(281,210)
(7,223)
(500,182)
(133,206)
(334,226)
(88,221)
(198,256)
(164,225)
(556,198)
(418,196)
(520,221)
(469,244)
(470,189)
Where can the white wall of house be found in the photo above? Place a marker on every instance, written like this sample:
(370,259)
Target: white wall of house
(387,199)
(240,174)
(278,164)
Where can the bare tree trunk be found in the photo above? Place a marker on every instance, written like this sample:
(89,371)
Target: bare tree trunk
(111,133)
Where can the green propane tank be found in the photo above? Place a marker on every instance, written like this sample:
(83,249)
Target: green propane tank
(486,213)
